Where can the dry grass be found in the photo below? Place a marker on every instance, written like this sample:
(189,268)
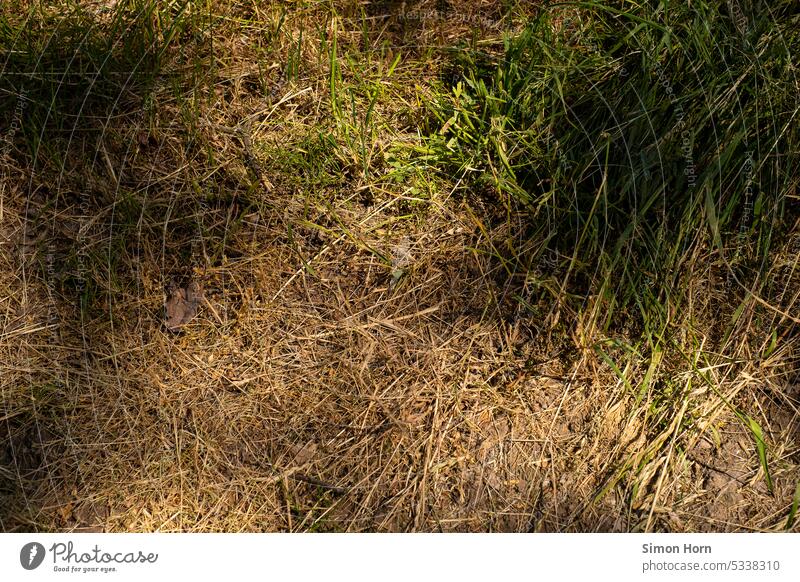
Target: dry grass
(361,363)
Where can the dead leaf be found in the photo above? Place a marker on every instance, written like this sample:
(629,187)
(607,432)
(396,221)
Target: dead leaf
(181,306)
(303,454)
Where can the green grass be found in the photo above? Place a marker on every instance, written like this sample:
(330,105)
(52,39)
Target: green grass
(586,129)
(654,149)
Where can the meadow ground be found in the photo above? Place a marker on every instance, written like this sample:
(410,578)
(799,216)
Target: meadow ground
(452,266)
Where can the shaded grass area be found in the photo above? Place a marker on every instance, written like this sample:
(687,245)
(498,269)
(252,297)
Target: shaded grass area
(455,276)
(632,139)
(653,148)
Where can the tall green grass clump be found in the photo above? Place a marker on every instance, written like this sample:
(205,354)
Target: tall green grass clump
(638,136)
